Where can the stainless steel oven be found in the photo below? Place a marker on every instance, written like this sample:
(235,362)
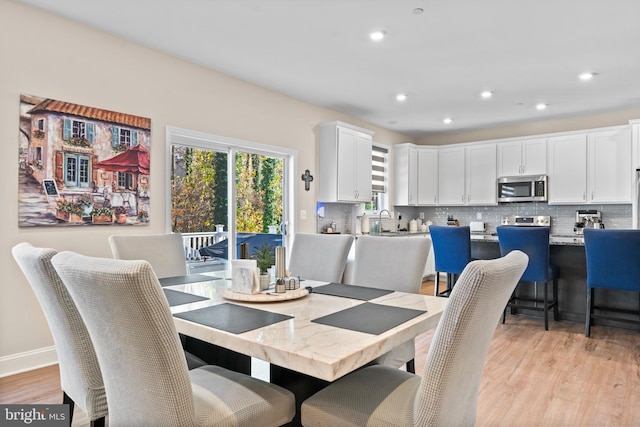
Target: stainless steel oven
(523,189)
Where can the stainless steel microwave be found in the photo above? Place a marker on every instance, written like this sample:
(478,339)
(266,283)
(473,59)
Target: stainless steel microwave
(523,189)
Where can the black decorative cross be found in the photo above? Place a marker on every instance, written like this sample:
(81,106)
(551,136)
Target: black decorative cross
(307,178)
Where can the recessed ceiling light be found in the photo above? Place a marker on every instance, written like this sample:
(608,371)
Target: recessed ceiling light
(401,97)
(447,120)
(541,106)
(392,122)
(586,76)
(486,94)
(417,11)
(377,35)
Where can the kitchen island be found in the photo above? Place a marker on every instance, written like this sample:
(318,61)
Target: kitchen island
(567,254)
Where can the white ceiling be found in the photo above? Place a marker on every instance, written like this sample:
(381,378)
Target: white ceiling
(525,51)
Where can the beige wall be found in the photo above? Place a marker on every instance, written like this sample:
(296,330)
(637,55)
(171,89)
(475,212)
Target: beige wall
(44,55)
(590,121)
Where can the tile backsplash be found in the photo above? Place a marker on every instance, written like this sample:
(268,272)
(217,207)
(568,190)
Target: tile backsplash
(562,216)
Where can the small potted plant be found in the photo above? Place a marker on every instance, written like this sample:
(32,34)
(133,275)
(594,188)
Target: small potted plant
(69,211)
(143,216)
(102,216)
(265,257)
(121,214)
(86,202)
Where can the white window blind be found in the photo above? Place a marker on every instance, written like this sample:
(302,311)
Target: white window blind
(379,159)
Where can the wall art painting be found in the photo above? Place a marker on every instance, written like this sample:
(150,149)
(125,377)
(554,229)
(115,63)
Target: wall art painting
(81,165)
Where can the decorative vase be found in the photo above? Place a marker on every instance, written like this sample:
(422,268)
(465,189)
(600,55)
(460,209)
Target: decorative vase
(121,219)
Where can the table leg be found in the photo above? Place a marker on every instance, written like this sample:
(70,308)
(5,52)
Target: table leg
(219,356)
(301,385)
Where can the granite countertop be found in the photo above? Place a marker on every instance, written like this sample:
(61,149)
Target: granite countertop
(554,239)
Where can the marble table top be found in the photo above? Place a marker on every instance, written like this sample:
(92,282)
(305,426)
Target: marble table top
(304,346)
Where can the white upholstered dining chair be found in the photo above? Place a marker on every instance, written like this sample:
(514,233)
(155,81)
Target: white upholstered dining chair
(319,257)
(395,263)
(145,374)
(80,376)
(165,252)
(378,395)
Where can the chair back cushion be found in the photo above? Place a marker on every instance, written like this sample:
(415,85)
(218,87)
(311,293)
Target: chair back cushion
(80,375)
(451,247)
(460,344)
(533,241)
(165,252)
(130,323)
(395,263)
(319,257)
(613,259)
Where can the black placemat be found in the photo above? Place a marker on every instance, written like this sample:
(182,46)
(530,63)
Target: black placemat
(369,318)
(362,293)
(232,318)
(178,298)
(183,280)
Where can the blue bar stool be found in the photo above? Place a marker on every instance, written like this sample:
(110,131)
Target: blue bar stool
(612,263)
(533,241)
(452,253)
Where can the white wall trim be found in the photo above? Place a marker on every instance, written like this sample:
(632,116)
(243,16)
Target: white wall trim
(27,361)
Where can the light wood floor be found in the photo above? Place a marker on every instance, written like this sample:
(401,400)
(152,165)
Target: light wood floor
(531,378)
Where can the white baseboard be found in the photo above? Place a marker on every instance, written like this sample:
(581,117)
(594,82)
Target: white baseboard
(27,361)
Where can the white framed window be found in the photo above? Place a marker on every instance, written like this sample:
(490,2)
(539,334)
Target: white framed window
(379,179)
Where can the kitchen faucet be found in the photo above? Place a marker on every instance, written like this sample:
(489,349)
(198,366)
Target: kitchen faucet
(380,219)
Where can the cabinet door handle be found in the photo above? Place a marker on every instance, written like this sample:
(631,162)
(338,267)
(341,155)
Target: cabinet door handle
(591,195)
(584,196)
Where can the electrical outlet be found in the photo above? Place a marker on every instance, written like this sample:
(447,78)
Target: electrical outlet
(478,215)
(303,214)
(421,215)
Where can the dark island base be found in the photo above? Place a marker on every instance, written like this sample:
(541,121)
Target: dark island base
(572,288)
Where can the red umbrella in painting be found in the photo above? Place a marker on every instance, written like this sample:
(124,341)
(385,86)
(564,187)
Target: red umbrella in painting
(133,160)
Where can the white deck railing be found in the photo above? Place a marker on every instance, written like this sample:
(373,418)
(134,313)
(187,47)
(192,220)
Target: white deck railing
(194,241)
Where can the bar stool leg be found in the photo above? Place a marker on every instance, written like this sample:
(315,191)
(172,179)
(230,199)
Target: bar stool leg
(555,300)
(436,287)
(546,306)
(587,328)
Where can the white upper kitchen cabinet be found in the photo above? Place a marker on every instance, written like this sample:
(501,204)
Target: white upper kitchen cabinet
(405,175)
(609,167)
(593,167)
(522,157)
(451,176)
(427,176)
(345,163)
(567,169)
(481,186)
